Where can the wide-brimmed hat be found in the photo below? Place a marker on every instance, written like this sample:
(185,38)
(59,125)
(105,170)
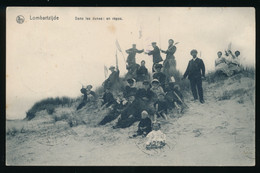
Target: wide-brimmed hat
(155,81)
(89,86)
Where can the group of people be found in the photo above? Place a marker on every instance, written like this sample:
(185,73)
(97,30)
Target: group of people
(228,64)
(158,94)
(139,72)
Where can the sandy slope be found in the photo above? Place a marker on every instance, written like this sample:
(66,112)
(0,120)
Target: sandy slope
(219,132)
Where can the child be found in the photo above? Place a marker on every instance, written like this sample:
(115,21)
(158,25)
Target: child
(156,138)
(156,88)
(145,125)
(161,107)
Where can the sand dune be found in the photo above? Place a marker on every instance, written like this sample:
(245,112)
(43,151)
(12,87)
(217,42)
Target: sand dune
(220,132)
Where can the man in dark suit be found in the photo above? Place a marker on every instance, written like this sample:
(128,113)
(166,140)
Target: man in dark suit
(156,54)
(131,113)
(195,71)
(131,55)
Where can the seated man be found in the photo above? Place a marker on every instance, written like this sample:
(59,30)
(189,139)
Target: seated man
(160,75)
(130,88)
(118,105)
(156,138)
(112,81)
(91,94)
(142,72)
(174,97)
(144,126)
(108,98)
(145,92)
(131,113)
(88,96)
(132,69)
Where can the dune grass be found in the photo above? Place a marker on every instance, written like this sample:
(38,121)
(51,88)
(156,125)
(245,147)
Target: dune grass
(49,105)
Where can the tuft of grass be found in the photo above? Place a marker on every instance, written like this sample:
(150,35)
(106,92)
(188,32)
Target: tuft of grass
(49,105)
(225,96)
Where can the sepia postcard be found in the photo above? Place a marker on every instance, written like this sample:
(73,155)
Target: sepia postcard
(130,86)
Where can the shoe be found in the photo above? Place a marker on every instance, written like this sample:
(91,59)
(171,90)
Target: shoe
(202,101)
(194,100)
(115,127)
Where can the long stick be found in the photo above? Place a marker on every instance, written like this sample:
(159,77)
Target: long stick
(120,50)
(159,33)
(179,99)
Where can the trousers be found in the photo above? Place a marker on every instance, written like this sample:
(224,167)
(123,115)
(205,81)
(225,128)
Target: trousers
(196,88)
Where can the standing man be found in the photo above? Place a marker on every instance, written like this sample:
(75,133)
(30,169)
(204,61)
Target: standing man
(195,71)
(131,55)
(156,54)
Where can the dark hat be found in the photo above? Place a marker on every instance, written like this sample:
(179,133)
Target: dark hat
(193,51)
(130,80)
(146,82)
(153,42)
(111,67)
(89,86)
(237,52)
(155,81)
(133,44)
(158,66)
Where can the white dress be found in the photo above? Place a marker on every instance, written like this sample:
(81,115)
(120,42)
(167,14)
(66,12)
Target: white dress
(155,137)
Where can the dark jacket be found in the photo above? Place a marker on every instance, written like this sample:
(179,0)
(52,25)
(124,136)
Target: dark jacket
(112,79)
(141,73)
(129,90)
(169,52)
(160,76)
(162,106)
(195,69)
(135,108)
(156,55)
(131,55)
(145,126)
(141,93)
(174,96)
(108,98)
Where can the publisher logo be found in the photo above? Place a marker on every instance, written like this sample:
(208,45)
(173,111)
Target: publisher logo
(20,19)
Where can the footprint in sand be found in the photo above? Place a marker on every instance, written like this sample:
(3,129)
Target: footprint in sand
(197,132)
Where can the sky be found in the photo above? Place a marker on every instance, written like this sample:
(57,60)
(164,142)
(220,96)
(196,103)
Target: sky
(54,58)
